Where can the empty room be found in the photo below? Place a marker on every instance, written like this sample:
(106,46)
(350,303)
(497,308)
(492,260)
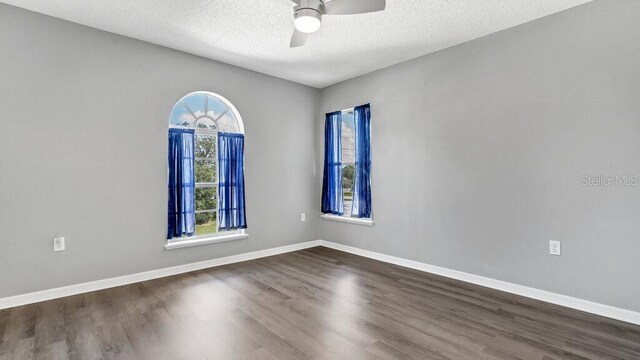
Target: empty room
(319,179)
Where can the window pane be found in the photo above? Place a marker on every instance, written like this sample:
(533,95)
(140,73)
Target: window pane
(216,107)
(348,138)
(206,223)
(205,171)
(348,160)
(181,116)
(348,172)
(228,123)
(205,146)
(205,123)
(195,103)
(206,199)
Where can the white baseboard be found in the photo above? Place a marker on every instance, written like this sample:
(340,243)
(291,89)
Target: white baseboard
(546,296)
(49,294)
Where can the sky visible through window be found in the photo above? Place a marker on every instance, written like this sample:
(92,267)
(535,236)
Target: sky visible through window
(207,111)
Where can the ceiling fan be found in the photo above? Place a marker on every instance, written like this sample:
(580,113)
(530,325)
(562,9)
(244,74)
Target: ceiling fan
(307,14)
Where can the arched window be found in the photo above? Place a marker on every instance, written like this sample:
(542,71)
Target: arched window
(206,111)
(206,167)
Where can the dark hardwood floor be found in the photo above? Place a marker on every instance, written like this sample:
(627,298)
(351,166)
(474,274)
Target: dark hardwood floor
(318,304)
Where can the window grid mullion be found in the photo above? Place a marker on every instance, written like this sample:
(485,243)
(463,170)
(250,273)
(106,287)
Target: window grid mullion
(206,211)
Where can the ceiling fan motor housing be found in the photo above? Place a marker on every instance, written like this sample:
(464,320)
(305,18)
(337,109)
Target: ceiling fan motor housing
(308,12)
(313,8)
(315,5)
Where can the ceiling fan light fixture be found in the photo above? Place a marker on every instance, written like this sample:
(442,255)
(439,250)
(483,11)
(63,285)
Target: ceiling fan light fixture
(307,20)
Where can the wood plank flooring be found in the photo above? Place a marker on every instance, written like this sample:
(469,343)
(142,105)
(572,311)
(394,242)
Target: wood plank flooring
(312,304)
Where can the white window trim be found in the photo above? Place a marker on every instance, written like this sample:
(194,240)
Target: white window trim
(344,219)
(180,243)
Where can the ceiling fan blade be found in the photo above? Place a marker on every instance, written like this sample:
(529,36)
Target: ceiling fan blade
(298,38)
(350,7)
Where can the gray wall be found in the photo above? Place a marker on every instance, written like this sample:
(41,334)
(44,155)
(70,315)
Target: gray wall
(478,153)
(83,120)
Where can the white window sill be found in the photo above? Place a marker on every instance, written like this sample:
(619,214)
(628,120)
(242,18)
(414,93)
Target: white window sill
(197,241)
(365,222)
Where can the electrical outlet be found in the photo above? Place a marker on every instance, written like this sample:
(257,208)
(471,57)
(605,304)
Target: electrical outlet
(303,217)
(58,244)
(554,248)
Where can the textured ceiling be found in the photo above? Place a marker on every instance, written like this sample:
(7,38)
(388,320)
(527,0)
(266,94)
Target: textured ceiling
(255,34)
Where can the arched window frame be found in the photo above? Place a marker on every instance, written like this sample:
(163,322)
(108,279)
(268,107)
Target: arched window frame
(218,236)
(229,108)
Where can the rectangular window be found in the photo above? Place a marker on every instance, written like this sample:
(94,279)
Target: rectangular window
(346,188)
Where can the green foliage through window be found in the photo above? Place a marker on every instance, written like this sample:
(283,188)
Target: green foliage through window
(348,173)
(206,193)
